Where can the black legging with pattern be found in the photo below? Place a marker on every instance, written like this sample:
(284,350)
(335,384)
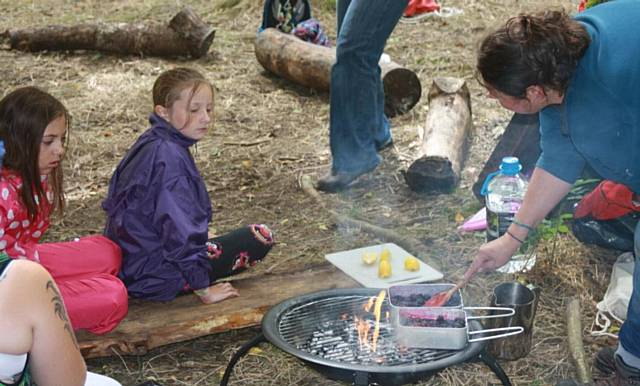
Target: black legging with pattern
(238,250)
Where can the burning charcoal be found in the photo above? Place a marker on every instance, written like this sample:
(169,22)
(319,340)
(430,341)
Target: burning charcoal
(440,321)
(412,300)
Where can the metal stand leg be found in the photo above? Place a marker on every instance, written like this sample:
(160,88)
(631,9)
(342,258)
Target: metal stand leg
(495,367)
(239,354)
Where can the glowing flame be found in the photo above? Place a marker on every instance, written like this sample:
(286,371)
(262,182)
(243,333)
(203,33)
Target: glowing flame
(363,325)
(367,306)
(376,311)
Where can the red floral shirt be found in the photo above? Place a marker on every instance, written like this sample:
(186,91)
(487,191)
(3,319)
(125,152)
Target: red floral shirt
(19,236)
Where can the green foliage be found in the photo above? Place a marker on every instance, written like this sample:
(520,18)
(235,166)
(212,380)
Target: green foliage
(559,219)
(582,187)
(547,230)
(591,3)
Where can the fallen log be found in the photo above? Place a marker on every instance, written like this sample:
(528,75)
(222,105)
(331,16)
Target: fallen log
(310,65)
(521,138)
(185,35)
(574,339)
(152,324)
(445,138)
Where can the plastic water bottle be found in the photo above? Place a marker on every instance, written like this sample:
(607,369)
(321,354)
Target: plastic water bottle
(504,191)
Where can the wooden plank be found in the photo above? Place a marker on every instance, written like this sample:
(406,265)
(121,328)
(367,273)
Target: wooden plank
(153,324)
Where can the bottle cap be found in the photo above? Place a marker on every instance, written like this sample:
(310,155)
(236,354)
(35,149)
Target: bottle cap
(510,166)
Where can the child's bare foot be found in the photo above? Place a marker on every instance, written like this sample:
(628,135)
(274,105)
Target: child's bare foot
(218,292)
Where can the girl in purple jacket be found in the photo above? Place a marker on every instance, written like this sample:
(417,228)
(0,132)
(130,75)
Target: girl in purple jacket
(158,209)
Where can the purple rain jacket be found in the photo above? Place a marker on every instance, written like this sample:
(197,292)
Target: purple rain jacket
(158,211)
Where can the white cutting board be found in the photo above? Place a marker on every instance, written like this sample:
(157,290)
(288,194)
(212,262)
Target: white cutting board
(350,262)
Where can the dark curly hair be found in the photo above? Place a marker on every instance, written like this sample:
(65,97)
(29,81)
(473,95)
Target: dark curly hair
(537,49)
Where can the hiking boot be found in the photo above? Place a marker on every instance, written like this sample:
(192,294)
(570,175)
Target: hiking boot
(336,181)
(623,375)
(605,360)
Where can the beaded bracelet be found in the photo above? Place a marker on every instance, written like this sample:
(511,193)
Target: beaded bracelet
(521,225)
(515,238)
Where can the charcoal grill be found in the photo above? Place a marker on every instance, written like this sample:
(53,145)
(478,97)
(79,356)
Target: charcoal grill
(319,329)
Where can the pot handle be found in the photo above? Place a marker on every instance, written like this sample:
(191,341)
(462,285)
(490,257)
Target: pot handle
(507,331)
(505,311)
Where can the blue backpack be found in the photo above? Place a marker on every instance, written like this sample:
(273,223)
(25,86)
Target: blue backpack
(285,14)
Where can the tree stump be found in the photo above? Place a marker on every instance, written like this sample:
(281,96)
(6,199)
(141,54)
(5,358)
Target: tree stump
(185,35)
(445,138)
(310,65)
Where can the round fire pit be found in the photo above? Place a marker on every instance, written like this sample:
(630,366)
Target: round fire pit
(319,328)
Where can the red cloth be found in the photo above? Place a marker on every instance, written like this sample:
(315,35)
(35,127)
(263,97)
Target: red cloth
(607,201)
(85,271)
(582,6)
(416,7)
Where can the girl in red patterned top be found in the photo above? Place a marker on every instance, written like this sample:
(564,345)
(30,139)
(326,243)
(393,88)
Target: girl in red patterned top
(33,126)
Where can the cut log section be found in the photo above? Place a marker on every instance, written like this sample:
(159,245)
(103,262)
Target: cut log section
(310,65)
(445,138)
(152,324)
(185,35)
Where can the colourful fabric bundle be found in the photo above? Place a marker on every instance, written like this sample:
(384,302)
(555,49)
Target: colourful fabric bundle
(311,31)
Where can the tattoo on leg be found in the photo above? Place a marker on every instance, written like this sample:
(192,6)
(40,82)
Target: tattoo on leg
(59,310)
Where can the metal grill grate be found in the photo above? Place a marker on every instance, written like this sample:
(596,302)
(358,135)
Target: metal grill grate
(326,328)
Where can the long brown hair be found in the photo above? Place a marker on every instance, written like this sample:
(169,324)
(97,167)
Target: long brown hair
(538,49)
(25,113)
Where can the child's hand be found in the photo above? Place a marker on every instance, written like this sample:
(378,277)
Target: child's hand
(218,292)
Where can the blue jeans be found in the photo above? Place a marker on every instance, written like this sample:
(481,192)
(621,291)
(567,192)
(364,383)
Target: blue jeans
(358,126)
(630,331)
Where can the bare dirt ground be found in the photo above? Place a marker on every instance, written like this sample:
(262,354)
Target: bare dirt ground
(109,99)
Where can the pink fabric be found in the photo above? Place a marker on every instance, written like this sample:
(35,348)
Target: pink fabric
(19,235)
(85,271)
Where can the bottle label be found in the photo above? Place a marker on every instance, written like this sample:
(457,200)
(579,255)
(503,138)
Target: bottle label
(497,224)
